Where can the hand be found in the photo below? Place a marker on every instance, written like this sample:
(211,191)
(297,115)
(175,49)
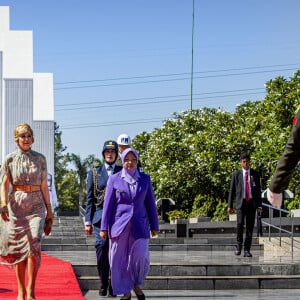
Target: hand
(154,233)
(103,234)
(259,210)
(274,198)
(229,210)
(49,218)
(88,229)
(4,213)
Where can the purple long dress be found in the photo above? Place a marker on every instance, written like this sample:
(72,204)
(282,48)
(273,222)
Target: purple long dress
(129,213)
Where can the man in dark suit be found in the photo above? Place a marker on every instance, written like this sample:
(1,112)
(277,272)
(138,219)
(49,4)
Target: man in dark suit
(96,184)
(245,189)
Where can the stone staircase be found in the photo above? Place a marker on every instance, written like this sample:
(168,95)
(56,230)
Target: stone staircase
(203,261)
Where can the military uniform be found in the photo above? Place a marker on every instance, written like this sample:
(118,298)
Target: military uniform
(97,179)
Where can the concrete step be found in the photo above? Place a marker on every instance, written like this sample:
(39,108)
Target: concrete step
(245,294)
(161,247)
(214,272)
(207,282)
(198,269)
(79,238)
(204,261)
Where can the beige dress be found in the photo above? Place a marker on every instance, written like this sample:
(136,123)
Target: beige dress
(22,235)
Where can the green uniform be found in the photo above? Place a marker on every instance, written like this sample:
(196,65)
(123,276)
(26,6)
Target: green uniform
(289,159)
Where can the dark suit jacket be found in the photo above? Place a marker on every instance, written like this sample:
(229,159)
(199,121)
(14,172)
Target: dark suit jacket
(237,189)
(93,214)
(289,159)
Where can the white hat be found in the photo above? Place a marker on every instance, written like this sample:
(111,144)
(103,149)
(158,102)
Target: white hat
(124,139)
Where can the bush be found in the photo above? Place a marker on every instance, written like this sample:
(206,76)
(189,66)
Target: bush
(177,214)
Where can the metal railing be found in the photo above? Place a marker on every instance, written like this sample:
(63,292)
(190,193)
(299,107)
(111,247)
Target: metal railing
(81,211)
(271,224)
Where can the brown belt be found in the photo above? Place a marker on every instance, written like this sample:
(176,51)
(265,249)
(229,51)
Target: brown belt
(27,188)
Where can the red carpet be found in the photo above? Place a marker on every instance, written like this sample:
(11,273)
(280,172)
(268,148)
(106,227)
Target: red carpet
(56,281)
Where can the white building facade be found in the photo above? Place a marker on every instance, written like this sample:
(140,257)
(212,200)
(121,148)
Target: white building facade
(25,96)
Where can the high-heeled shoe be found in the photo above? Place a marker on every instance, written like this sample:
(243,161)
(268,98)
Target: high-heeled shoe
(126,297)
(139,293)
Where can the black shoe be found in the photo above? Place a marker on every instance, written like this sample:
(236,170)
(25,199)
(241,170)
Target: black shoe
(247,253)
(139,296)
(111,292)
(103,291)
(237,251)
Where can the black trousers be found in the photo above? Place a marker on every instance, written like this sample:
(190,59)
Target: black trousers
(103,264)
(246,213)
(102,248)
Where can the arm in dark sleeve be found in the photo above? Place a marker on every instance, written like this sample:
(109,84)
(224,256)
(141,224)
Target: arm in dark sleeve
(108,203)
(289,159)
(89,210)
(258,199)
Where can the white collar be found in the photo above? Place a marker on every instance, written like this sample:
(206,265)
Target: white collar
(107,165)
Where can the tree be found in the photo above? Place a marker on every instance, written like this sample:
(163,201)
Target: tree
(193,155)
(61,171)
(60,159)
(81,168)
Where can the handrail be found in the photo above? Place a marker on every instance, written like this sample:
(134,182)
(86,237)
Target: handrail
(81,211)
(291,233)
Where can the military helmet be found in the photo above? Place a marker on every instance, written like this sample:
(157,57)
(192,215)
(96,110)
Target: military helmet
(110,145)
(124,139)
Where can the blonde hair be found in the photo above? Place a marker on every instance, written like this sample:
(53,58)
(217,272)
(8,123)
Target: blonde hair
(22,128)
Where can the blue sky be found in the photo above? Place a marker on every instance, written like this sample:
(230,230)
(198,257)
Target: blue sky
(125,65)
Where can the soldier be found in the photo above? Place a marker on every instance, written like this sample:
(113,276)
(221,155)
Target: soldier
(124,141)
(96,184)
(286,164)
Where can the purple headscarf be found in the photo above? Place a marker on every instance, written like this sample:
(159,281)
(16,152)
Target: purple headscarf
(129,175)
(126,151)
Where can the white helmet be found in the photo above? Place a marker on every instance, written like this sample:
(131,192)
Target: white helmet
(124,139)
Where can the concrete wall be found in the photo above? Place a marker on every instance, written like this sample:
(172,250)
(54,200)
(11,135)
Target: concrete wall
(25,96)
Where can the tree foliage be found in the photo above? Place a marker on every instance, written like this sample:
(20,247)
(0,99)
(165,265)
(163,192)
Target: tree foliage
(70,175)
(192,156)
(81,168)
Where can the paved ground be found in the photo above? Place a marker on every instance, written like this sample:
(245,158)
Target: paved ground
(209,295)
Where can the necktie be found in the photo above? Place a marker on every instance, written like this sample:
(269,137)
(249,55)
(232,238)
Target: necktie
(247,187)
(109,170)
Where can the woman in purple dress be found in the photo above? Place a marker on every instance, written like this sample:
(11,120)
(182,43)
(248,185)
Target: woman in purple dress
(129,215)
(25,207)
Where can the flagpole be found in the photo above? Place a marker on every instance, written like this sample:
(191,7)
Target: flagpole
(192,67)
